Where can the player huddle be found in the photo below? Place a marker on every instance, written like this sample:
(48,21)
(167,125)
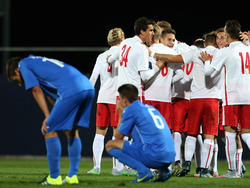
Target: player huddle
(150,84)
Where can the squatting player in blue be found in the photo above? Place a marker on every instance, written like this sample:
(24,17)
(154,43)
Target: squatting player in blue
(73,95)
(152,145)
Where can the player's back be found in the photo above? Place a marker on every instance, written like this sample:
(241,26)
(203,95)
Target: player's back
(237,73)
(133,58)
(108,78)
(55,74)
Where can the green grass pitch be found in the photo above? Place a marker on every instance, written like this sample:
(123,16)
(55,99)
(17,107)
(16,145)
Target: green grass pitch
(20,172)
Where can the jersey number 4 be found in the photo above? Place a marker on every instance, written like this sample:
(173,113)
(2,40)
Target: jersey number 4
(245,64)
(124,55)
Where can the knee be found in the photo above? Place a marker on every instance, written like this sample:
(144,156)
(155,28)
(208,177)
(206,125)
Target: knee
(108,146)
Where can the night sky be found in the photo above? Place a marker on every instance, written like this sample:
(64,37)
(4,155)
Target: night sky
(42,23)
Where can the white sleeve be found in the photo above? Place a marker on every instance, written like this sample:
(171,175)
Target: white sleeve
(147,74)
(178,75)
(188,56)
(95,73)
(211,74)
(114,55)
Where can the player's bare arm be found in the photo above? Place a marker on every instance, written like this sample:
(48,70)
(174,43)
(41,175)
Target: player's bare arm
(169,58)
(40,99)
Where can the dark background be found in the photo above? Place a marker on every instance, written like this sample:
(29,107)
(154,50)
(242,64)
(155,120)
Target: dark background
(80,23)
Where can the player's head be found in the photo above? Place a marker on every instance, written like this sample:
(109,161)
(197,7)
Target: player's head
(157,34)
(128,92)
(199,43)
(210,39)
(221,38)
(144,28)
(232,30)
(115,36)
(164,24)
(168,37)
(12,70)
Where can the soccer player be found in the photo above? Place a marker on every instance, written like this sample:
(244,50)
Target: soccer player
(106,101)
(73,95)
(134,57)
(204,108)
(234,60)
(152,145)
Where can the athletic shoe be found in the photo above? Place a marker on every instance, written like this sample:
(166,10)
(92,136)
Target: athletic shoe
(71,180)
(163,175)
(230,174)
(149,176)
(185,170)
(197,172)
(129,172)
(176,169)
(243,169)
(116,172)
(205,173)
(52,181)
(94,171)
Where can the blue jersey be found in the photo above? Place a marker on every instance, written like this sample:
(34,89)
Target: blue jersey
(56,78)
(147,126)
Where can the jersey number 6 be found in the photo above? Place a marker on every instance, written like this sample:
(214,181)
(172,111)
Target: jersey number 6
(157,119)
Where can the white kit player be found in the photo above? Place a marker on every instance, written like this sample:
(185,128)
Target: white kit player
(162,83)
(234,60)
(106,101)
(134,57)
(204,108)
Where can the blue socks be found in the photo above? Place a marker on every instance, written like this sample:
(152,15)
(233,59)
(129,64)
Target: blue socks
(74,150)
(131,162)
(53,146)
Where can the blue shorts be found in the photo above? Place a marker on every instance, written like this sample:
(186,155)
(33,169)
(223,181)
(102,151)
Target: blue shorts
(147,154)
(73,110)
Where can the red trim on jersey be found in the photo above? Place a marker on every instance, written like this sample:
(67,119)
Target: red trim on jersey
(225,83)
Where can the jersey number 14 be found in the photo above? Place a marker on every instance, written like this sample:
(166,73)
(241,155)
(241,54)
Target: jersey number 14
(245,64)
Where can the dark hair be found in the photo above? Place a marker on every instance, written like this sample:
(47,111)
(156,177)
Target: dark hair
(142,24)
(129,91)
(210,38)
(11,65)
(199,43)
(167,31)
(233,28)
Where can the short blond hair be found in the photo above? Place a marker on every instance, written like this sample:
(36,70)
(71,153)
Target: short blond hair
(115,36)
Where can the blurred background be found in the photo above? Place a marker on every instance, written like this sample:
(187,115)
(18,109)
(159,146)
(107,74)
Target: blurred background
(75,32)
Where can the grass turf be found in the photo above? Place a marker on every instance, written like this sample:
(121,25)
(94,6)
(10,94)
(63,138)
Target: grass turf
(28,171)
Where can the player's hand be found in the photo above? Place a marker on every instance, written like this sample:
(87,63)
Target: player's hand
(244,36)
(160,64)
(205,57)
(44,128)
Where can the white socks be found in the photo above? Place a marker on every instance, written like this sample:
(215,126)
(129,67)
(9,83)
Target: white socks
(116,163)
(177,145)
(207,153)
(230,148)
(190,148)
(98,146)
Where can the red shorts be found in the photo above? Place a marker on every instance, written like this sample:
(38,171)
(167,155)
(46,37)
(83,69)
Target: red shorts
(106,114)
(221,128)
(165,108)
(203,111)
(180,113)
(236,116)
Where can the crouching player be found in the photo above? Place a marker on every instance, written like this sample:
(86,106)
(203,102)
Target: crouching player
(152,145)
(73,94)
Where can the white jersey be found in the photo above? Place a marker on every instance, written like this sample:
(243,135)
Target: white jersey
(108,78)
(235,60)
(133,58)
(199,88)
(180,89)
(162,82)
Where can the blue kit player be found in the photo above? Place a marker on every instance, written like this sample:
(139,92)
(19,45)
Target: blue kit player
(152,145)
(72,94)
